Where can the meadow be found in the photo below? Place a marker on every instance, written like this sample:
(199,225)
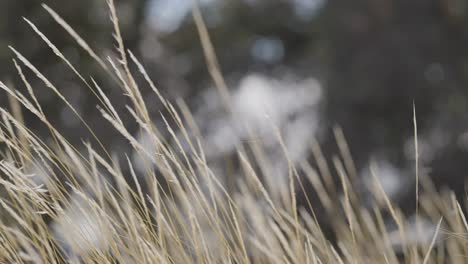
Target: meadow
(84,203)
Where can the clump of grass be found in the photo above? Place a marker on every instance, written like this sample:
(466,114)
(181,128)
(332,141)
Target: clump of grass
(66,204)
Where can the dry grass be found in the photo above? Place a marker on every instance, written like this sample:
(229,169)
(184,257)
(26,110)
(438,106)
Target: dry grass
(87,209)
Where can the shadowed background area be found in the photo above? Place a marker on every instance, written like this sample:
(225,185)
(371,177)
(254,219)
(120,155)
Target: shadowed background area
(303,65)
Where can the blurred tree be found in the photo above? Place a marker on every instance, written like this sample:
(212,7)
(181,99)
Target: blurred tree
(374,59)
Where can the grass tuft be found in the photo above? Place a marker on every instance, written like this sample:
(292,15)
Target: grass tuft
(81,204)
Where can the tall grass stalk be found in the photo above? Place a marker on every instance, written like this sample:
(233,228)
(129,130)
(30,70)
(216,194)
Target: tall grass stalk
(76,203)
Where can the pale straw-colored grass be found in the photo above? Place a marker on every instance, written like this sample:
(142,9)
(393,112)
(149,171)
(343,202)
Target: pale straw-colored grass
(76,203)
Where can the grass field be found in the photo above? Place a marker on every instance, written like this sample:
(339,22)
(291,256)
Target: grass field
(76,203)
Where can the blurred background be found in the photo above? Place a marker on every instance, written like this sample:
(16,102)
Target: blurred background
(303,65)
